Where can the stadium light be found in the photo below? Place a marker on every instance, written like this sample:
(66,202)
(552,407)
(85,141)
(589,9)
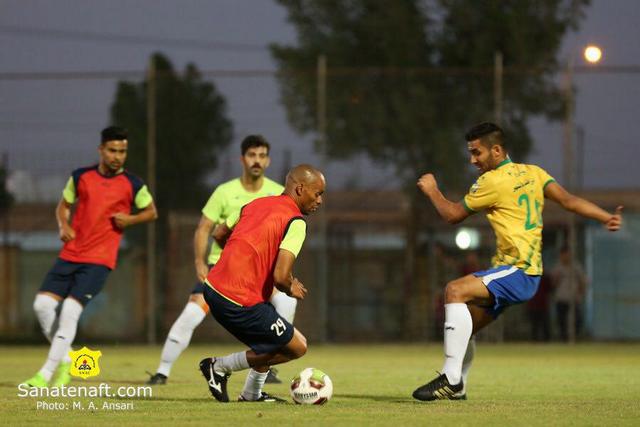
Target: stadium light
(592,54)
(467,238)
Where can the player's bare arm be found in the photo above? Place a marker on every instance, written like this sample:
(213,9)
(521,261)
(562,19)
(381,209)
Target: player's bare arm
(451,212)
(63,214)
(221,233)
(283,277)
(200,245)
(583,207)
(123,220)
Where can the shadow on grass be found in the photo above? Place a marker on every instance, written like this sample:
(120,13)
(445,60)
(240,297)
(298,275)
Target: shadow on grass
(8,384)
(394,399)
(391,399)
(131,382)
(206,400)
(183,399)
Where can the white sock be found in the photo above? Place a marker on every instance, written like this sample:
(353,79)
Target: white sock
(253,385)
(467,361)
(67,359)
(458,326)
(468,358)
(45,307)
(63,338)
(231,363)
(180,336)
(284,305)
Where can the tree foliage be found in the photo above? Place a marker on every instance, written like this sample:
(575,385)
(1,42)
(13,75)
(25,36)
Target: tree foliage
(406,78)
(192,126)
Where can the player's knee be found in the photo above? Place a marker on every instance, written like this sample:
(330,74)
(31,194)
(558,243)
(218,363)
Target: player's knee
(301,350)
(39,307)
(300,347)
(200,301)
(43,304)
(192,315)
(454,293)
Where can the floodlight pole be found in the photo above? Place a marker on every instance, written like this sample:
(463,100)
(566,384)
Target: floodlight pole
(569,164)
(323,288)
(9,288)
(151,182)
(498,79)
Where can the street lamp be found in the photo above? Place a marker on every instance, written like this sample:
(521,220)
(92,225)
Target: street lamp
(592,54)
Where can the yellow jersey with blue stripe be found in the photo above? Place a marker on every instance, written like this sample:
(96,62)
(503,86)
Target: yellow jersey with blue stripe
(512,195)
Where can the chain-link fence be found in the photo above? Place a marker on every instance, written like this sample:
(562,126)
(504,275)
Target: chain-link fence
(387,256)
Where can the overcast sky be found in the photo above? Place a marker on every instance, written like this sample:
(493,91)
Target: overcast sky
(50,126)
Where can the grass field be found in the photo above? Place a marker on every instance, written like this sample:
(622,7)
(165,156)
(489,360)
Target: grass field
(585,384)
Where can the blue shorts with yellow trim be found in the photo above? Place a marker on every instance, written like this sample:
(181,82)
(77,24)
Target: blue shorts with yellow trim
(259,326)
(509,285)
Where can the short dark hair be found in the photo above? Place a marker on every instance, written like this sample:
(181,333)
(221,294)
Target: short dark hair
(488,133)
(252,141)
(113,133)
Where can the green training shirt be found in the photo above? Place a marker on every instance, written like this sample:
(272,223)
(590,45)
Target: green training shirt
(228,199)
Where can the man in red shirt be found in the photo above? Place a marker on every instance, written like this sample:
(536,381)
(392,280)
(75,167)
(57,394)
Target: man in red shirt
(104,195)
(259,255)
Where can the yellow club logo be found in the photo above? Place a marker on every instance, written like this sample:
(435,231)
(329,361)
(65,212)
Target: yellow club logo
(84,363)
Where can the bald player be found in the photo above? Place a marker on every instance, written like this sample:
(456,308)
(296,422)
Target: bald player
(225,201)
(264,240)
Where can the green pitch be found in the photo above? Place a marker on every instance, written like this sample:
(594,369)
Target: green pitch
(586,384)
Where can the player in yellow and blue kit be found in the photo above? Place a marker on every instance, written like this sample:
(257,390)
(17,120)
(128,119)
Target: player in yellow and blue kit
(512,196)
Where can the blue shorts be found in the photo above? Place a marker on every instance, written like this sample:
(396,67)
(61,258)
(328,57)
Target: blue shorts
(80,281)
(509,285)
(260,326)
(199,287)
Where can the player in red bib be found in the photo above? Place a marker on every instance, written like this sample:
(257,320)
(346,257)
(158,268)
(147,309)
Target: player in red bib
(267,236)
(104,195)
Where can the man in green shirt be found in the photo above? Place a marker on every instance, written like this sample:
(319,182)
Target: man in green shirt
(226,200)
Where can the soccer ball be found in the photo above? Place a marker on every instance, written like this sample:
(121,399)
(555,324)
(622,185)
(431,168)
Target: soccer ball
(311,387)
